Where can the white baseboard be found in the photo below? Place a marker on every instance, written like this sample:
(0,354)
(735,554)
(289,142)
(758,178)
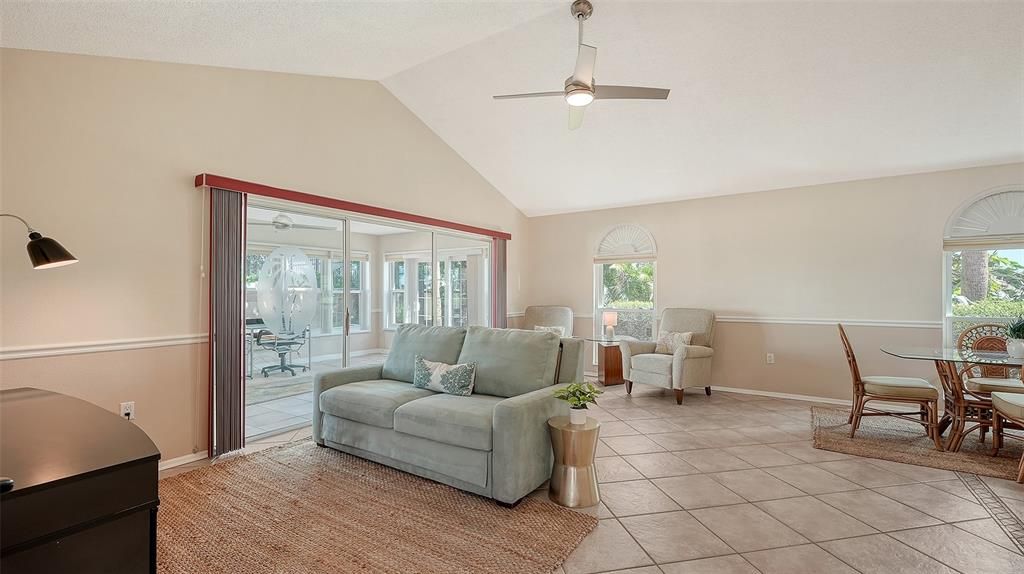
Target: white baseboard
(774,395)
(365,352)
(171,463)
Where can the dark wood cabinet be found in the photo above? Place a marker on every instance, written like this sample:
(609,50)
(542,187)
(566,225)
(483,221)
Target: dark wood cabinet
(609,364)
(85,487)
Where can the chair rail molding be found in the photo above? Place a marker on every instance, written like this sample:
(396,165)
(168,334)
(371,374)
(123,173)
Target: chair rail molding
(100,346)
(893,323)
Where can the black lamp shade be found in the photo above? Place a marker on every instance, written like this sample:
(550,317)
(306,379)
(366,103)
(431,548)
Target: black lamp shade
(46,253)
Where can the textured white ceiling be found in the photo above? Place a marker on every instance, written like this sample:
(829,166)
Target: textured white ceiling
(765,95)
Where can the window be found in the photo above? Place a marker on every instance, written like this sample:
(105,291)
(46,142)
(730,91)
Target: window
(424,294)
(624,283)
(396,294)
(984,263)
(357,274)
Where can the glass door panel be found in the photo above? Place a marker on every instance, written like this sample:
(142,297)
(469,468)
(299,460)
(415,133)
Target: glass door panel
(463,271)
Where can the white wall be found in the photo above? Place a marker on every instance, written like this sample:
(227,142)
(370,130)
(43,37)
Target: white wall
(101,154)
(867,250)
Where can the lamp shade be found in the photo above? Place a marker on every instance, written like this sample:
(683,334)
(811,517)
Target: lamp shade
(610,318)
(46,253)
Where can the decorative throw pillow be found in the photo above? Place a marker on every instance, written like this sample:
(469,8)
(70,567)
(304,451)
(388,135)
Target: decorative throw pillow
(669,341)
(444,378)
(560,331)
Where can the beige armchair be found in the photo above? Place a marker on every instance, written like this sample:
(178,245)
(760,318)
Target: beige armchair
(548,316)
(689,366)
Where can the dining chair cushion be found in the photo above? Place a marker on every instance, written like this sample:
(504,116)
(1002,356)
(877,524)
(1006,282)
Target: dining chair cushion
(1009,404)
(906,387)
(990,385)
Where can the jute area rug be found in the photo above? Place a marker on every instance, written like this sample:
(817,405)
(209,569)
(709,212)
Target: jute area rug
(300,508)
(890,438)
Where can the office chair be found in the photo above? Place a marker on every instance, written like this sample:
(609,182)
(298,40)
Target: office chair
(281,344)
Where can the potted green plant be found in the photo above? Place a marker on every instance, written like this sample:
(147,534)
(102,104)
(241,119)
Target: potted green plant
(578,395)
(1015,338)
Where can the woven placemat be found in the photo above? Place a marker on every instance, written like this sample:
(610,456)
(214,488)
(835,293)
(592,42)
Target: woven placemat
(303,508)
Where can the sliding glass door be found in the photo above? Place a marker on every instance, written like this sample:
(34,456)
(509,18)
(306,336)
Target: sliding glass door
(464,274)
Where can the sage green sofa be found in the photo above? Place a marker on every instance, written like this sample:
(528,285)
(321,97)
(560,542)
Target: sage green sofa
(493,443)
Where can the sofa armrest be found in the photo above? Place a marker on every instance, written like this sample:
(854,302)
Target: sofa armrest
(521,456)
(630,348)
(330,379)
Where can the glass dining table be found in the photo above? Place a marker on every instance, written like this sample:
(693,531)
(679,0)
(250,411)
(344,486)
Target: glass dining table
(963,406)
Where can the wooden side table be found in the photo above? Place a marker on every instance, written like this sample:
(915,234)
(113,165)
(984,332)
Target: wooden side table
(609,362)
(574,476)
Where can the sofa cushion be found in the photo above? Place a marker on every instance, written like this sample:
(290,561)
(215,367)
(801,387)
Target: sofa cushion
(653,363)
(450,419)
(439,344)
(510,362)
(370,402)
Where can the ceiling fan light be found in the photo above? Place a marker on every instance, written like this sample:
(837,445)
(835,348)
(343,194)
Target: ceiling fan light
(579,98)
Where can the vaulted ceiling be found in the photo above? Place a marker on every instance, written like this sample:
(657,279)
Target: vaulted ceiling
(765,95)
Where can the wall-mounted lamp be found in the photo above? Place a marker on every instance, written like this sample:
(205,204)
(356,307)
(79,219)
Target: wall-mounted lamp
(610,319)
(44,251)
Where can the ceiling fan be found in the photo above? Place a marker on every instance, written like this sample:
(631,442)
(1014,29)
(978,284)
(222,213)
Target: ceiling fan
(580,88)
(282,222)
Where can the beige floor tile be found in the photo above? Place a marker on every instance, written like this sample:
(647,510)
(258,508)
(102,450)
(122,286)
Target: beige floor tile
(603,450)
(653,426)
(641,570)
(638,444)
(811,479)
(961,550)
(807,453)
(721,437)
(814,519)
(674,536)
(880,554)
(913,471)
(695,422)
(713,460)
(633,413)
(940,504)
(615,469)
(864,473)
(767,434)
(877,511)
(660,464)
(762,455)
(1016,507)
(697,491)
(955,486)
(614,403)
(747,528)
(755,484)
(635,497)
(608,547)
(732,564)
(601,415)
(988,529)
(616,428)
(808,559)
(1005,488)
(679,440)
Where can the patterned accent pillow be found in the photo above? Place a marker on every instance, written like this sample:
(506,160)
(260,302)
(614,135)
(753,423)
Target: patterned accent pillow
(444,378)
(558,330)
(669,341)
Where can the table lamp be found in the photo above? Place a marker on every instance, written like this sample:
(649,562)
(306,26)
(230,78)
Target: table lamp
(44,252)
(610,319)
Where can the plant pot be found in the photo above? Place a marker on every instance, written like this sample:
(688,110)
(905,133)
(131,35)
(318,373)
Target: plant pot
(1015,348)
(578,416)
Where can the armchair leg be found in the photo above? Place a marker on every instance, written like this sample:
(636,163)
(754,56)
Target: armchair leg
(707,391)
(679,396)
(629,386)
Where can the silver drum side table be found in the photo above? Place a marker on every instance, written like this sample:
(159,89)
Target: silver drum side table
(573,476)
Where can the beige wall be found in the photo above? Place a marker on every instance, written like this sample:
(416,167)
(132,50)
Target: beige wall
(866,250)
(101,153)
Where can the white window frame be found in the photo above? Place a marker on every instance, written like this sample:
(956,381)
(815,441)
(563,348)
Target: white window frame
(390,324)
(599,293)
(363,259)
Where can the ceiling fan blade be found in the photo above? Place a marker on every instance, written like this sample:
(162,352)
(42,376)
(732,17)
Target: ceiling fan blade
(585,60)
(576,116)
(629,93)
(530,95)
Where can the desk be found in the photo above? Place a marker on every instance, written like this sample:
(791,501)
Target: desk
(85,487)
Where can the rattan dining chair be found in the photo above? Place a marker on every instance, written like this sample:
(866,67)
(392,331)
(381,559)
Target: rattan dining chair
(1007,411)
(891,390)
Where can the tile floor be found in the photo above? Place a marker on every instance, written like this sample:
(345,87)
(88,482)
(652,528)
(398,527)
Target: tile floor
(731,484)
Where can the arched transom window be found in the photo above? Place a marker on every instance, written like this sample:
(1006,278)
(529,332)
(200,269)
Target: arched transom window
(984,262)
(624,266)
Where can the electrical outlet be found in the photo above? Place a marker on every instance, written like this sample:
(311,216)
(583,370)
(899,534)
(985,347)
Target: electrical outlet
(770,358)
(128,410)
